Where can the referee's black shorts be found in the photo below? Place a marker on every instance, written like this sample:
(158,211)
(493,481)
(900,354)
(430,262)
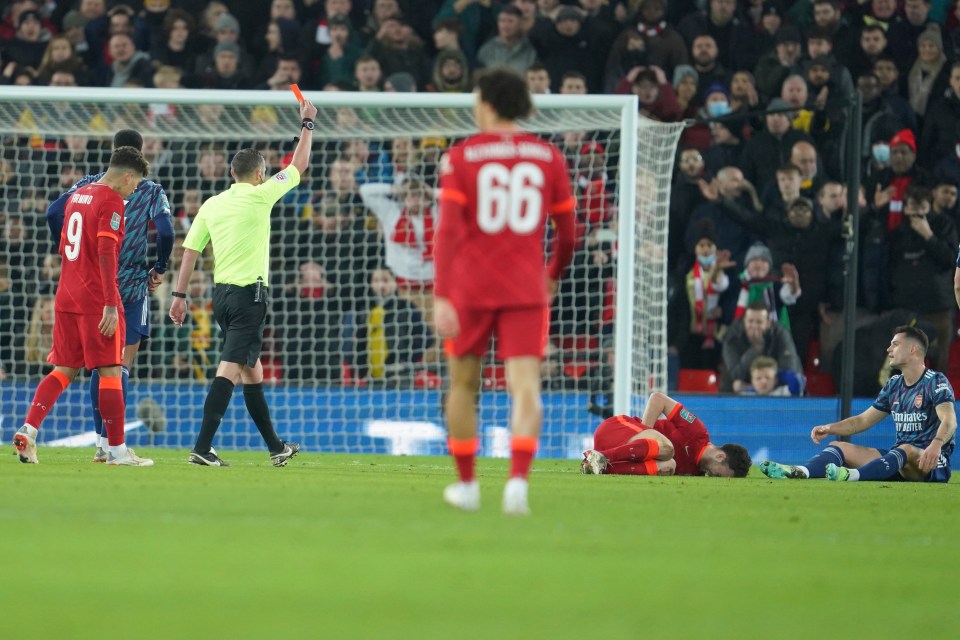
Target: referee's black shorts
(242,321)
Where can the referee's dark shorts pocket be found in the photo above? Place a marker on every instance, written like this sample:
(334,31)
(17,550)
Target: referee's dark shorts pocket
(241,320)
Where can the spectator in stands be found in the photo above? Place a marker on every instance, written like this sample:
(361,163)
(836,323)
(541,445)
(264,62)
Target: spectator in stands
(777,65)
(371,164)
(286,71)
(922,258)
(661,44)
(758,281)
(945,200)
(930,72)
(280,43)
(39,339)
(684,197)
(379,12)
(705,55)
(904,32)
(128,63)
(74,29)
(941,127)
(400,82)
(727,191)
(398,49)
(510,47)
(407,218)
(566,46)
(342,53)
(284,22)
(190,199)
(654,93)
(59,56)
(391,334)
(451,73)
(367,73)
(446,35)
(770,149)
(179,44)
(193,348)
(28,46)
(764,380)
(309,331)
(226,30)
(704,284)
(873,45)
(828,17)
(685,82)
(743,92)
(720,22)
(820,44)
(538,79)
(803,155)
(779,194)
(726,147)
(226,72)
(751,336)
(573,83)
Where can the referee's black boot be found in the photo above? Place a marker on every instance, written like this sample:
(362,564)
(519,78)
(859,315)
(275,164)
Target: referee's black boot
(280,458)
(209,459)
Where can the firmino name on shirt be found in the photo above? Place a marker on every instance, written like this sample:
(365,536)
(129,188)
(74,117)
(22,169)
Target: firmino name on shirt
(507,149)
(82,198)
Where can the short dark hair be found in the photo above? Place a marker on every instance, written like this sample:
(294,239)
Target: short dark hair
(506,92)
(246,162)
(873,27)
(538,66)
(918,193)
(449,24)
(737,459)
(576,75)
(512,10)
(789,167)
(819,33)
(129,158)
(758,305)
(128,138)
(914,333)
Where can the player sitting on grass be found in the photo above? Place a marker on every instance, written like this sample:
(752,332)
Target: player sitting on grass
(89,329)
(679,445)
(921,402)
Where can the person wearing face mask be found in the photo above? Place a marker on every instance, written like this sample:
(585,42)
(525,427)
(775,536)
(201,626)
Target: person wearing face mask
(704,283)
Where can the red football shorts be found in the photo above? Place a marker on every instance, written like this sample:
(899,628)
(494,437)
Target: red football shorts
(78,343)
(520,331)
(616,431)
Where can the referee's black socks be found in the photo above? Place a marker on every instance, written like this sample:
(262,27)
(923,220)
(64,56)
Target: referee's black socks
(218,399)
(257,406)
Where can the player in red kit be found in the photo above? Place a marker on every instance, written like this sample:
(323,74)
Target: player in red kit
(679,445)
(88,329)
(497,190)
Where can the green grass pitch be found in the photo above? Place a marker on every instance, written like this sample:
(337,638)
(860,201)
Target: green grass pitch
(337,546)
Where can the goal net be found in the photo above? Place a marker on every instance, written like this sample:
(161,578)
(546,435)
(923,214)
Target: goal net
(350,360)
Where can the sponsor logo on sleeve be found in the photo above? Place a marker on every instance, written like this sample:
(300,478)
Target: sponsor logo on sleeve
(115,221)
(445,167)
(686,415)
(280,177)
(164,203)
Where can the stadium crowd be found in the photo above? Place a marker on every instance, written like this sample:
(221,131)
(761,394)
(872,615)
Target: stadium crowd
(756,239)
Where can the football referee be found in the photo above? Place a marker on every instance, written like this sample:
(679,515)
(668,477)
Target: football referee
(237,222)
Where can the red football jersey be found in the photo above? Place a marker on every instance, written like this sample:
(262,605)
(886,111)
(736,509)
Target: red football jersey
(508,183)
(92,211)
(689,437)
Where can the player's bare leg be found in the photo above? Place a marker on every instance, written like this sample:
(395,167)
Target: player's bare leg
(461,410)
(49,389)
(256,403)
(526,420)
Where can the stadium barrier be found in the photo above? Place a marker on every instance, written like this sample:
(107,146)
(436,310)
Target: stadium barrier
(353,421)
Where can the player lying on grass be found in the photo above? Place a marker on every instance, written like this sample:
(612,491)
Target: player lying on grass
(921,403)
(679,445)
(89,326)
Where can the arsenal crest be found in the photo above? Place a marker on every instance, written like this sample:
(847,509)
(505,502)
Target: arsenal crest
(918,401)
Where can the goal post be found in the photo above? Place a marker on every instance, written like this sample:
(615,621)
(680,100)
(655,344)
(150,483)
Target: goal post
(332,384)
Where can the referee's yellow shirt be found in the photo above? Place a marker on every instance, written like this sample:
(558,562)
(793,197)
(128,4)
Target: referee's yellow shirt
(237,221)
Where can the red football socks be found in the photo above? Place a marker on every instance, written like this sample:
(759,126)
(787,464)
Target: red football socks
(646,468)
(634,451)
(45,397)
(522,449)
(112,408)
(464,453)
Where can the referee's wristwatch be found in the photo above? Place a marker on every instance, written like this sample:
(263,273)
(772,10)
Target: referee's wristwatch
(179,294)
(307,124)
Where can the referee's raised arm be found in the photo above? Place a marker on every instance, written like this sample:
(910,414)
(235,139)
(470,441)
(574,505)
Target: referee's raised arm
(301,155)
